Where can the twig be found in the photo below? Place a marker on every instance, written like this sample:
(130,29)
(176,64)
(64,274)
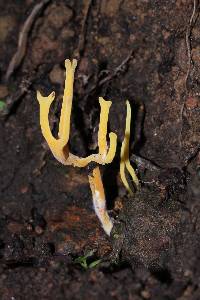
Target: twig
(14,99)
(23,38)
(144,163)
(117,70)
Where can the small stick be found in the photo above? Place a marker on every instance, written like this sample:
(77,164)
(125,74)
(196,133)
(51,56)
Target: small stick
(144,163)
(113,74)
(14,99)
(23,38)
(117,70)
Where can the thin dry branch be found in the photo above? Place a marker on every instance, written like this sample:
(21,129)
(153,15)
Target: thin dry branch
(14,99)
(23,39)
(116,71)
(144,163)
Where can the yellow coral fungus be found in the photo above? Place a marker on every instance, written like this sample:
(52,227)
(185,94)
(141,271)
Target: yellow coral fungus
(60,149)
(125,162)
(59,146)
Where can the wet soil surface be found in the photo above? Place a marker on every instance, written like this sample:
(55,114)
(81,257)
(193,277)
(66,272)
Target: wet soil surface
(51,243)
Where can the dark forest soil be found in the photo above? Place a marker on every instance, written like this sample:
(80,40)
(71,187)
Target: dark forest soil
(47,222)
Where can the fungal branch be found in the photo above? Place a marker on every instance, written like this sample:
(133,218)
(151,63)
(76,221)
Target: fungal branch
(99,200)
(124,155)
(60,149)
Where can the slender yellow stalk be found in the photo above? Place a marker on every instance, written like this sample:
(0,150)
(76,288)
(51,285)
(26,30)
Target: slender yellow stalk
(99,200)
(64,125)
(125,162)
(56,146)
(105,107)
